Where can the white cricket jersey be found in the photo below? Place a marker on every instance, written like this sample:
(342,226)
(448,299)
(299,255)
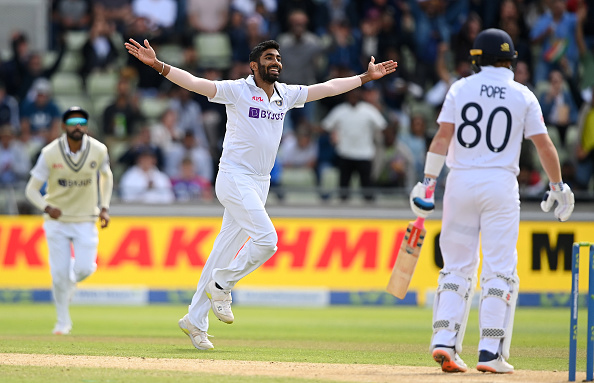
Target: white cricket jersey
(492,114)
(254,123)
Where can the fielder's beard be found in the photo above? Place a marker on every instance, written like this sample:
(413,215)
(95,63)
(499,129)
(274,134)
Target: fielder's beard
(266,75)
(76,135)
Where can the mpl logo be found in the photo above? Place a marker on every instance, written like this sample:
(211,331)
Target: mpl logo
(257,98)
(58,166)
(254,113)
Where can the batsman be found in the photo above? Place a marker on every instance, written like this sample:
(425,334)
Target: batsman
(482,123)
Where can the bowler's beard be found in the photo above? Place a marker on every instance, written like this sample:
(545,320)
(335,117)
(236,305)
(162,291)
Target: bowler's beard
(75,135)
(266,76)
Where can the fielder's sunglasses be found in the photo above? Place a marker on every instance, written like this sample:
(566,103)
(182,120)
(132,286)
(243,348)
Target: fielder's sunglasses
(76,121)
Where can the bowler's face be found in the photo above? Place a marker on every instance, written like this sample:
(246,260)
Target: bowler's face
(270,67)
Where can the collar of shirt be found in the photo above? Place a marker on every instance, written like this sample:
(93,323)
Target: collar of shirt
(275,96)
(498,72)
(85,142)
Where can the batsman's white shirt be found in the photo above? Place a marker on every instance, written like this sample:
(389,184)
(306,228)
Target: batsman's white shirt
(254,123)
(491,113)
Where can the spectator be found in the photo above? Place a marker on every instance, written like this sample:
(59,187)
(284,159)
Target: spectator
(70,15)
(116,11)
(395,162)
(436,94)
(249,7)
(463,40)
(160,15)
(214,117)
(144,182)
(298,150)
(555,33)
(301,62)
(353,125)
(332,11)
(301,49)
(345,51)
(431,31)
(142,143)
(149,81)
(370,26)
(417,143)
(189,147)
(40,119)
(189,186)
(166,131)
(34,71)
(585,145)
(286,8)
(98,53)
(207,16)
(13,70)
(521,45)
(122,116)
(326,162)
(189,114)
(558,107)
(585,44)
(509,13)
(14,160)
(238,37)
(9,110)
(522,75)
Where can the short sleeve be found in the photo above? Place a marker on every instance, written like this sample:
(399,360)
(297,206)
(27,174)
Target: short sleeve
(329,122)
(227,92)
(40,171)
(296,96)
(534,119)
(447,113)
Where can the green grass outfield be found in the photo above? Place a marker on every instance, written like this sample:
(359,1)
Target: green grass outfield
(349,335)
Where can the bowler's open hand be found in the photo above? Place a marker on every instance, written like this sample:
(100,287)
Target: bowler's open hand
(145,54)
(377,71)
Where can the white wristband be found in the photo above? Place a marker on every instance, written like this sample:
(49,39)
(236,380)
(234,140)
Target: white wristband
(433,164)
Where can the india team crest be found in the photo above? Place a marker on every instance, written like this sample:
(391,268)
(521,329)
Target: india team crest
(93,164)
(279,103)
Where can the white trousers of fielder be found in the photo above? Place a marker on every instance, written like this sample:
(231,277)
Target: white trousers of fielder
(62,239)
(485,204)
(247,238)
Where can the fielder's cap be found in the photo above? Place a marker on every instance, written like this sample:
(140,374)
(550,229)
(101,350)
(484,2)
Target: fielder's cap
(73,110)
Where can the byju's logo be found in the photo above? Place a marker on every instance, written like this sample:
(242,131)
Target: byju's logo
(254,113)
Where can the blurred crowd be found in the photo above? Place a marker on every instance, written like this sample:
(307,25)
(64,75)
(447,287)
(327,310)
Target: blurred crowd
(165,141)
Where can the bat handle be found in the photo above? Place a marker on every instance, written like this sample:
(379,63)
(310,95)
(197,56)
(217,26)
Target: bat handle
(420,221)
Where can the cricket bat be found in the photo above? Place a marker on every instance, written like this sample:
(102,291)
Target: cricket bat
(407,258)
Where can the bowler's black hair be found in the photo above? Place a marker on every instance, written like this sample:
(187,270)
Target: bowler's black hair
(256,53)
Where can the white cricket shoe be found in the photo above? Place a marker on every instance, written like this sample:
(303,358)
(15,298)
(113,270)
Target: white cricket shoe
(220,302)
(498,366)
(61,329)
(449,360)
(198,337)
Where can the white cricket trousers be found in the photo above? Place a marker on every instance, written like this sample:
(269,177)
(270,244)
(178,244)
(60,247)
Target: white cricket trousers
(62,239)
(247,238)
(478,203)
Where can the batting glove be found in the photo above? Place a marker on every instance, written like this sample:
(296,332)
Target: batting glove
(422,201)
(562,194)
